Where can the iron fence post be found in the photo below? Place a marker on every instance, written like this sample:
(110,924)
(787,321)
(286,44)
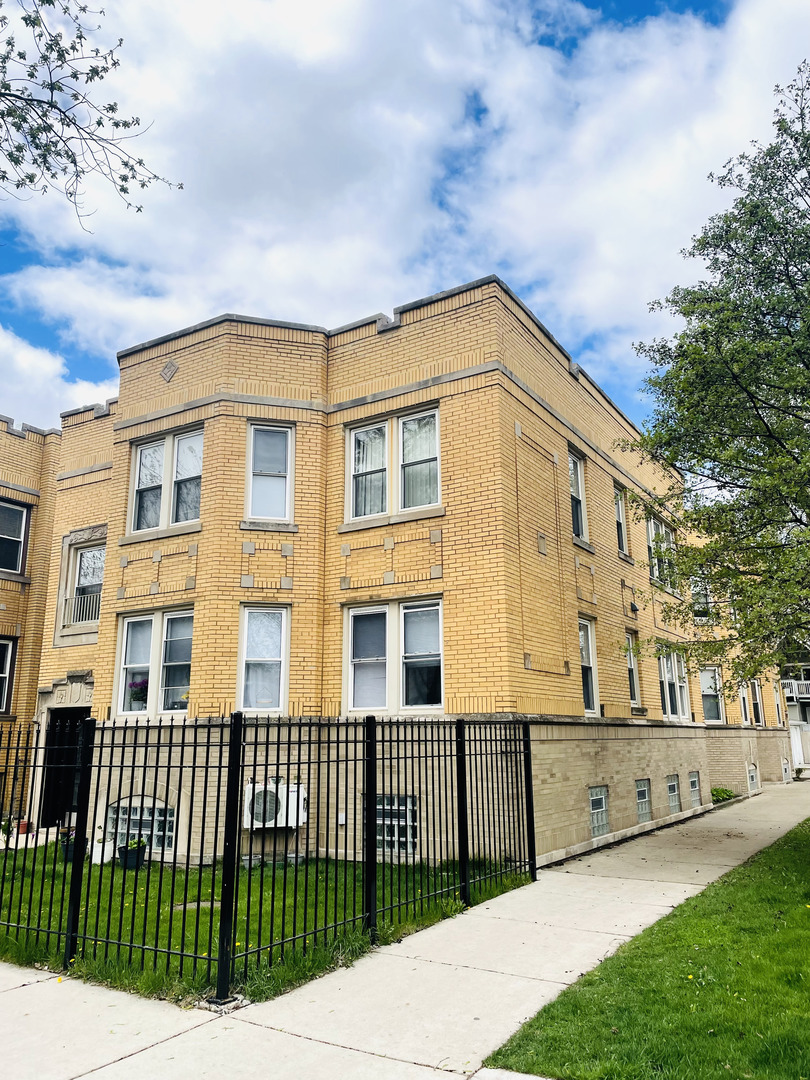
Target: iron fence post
(87,738)
(463,813)
(230,856)
(370,826)
(531,838)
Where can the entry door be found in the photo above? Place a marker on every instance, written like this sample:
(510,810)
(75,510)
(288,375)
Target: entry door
(62,755)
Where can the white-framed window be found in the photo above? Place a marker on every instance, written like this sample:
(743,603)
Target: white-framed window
(753,777)
(270,480)
(576,480)
(777,701)
(713,706)
(395,656)
(620,503)
(86,576)
(694,789)
(660,545)
(264,659)
(745,707)
(632,668)
(393,465)
(13,517)
(643,800)
(674,793)
(167,481)
(6,662)
(756,703)
(397,823)
(673,685)
(155,669)
(141,818)
(701,600)
(587,657)
(598,799)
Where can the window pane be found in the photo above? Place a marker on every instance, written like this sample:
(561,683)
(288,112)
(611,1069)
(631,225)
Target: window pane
(10,551)
(150,465)
(11,521)
(91,567)
(139,640)
(369,450)
(262,685)
(369,493)
(418,438)
(176,682)
(584,643)
(136,689)
(264,635)
(573,475)
(187,499)
(421,631)
(420,484)
(587,688)
(369,689)
(268,497)
(368,636)
(147,508)
(269,451)
(189,456)
(177,646)
(423,682)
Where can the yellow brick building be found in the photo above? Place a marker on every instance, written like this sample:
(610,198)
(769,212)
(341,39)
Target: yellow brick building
(420,516)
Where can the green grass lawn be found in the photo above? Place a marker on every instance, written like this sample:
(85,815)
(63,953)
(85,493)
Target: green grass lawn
(720,988)
(157,932)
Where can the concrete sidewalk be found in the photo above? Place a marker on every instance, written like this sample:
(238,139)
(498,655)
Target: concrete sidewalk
(440,1001)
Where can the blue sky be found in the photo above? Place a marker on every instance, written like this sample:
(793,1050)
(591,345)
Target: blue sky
(341,157)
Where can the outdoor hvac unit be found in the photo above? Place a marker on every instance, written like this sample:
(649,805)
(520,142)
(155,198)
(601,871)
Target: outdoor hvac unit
(275,805)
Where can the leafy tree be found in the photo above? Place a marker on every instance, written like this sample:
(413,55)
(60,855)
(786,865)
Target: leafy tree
(732,407)
(52,132)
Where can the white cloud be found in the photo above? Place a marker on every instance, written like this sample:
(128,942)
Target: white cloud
(36,387)
(331,170)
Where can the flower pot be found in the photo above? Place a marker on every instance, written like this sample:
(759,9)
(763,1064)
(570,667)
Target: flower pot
(103,852)
(22,827)
(132,858)
(67,850)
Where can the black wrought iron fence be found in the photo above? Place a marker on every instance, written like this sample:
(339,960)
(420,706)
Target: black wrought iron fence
(211,851)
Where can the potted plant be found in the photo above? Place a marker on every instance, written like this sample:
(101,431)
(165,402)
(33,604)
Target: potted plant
(103,850)
(132,855)
(67,839)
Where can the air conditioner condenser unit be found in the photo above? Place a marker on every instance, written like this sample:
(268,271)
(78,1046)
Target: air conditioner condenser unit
(274,805)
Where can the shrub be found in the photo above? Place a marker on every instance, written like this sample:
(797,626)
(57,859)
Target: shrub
(722,794)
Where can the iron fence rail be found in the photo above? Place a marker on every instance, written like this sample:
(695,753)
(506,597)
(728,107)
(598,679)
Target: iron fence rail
(212,848)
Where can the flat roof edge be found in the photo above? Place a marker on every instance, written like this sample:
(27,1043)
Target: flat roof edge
(227,317)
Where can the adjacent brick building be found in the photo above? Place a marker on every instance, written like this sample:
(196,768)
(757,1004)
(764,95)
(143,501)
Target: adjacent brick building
(426,515)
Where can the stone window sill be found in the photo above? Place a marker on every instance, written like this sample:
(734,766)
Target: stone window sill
(392,519)
(148,535)
(580,543)
(253,525)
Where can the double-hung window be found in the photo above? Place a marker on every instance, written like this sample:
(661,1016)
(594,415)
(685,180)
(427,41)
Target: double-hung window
(694,789)
(632,668)
(777,701)
(263,677)
(155,670)
(619,500)
(394,465)
(270,473)
(701,600)
(756,703)
(710,683)
(660,546)
(12,535)
(673,685)
(82,604)
(395,657)
(576,481)
(168,476)
(745,708)
(587,655)
(6,661)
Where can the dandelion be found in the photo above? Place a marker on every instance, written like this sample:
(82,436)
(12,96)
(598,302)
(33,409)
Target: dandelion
(59,979)
(690,976)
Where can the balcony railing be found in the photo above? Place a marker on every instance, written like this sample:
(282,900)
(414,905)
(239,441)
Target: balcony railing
(81,609)
(796,689)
